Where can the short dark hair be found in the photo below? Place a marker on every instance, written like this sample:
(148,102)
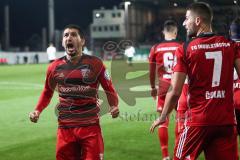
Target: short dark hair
(203,10)
(170,25)
(74,26)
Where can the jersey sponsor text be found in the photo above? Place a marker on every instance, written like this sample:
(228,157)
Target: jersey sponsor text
(210,46)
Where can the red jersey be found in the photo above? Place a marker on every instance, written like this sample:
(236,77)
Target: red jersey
(208,60)
(77,86)
(161,58)
(236,87)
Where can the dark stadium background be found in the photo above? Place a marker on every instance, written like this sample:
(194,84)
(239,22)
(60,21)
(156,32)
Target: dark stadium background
(28,17)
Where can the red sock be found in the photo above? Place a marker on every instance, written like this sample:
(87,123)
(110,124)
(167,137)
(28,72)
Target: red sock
(163,138)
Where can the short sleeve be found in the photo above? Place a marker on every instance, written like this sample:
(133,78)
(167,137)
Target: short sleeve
(180,62)
(152,55)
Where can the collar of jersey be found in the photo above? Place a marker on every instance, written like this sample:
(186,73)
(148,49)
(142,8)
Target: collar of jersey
(172,40)
(206,34)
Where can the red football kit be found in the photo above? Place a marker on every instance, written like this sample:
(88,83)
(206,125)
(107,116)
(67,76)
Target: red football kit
(78,110)
(208,61)
(161,59)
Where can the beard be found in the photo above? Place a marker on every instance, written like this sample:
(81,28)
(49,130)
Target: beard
(191,34)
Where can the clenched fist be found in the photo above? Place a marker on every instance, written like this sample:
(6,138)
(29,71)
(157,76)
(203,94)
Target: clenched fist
(114,111)
(34,116)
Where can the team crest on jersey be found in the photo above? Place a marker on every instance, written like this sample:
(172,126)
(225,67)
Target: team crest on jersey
(85,72)
(106,75)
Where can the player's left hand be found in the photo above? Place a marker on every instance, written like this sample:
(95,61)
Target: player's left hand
(114,111)
(156,123)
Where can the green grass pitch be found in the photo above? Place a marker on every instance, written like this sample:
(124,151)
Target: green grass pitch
(126,138)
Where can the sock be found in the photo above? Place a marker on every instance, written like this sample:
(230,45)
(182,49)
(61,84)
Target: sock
(163,138)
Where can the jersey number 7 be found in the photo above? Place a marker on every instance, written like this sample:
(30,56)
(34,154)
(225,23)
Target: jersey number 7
(217,68)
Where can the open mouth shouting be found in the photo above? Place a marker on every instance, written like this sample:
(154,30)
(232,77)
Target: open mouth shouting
(70,48)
